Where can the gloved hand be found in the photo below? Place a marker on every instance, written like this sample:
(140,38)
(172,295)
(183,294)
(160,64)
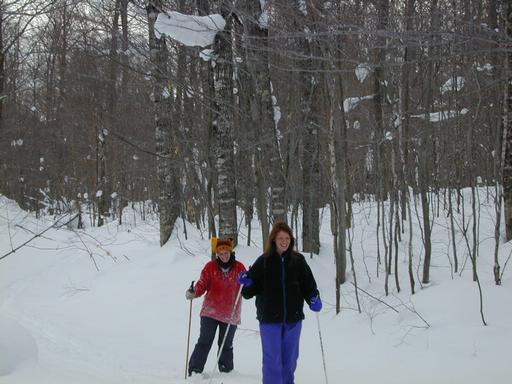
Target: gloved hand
(190,293)
(244,279)
(315,304)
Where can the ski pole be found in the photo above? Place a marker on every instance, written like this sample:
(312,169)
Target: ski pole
(226,333)
(321,346)
(188,337)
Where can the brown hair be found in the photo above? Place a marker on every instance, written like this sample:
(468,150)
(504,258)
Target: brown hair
(279,226)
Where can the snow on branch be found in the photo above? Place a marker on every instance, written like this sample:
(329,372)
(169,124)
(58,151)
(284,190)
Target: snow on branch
(351,102)
(436,117)
(452,84)
(189,30)
(362,72)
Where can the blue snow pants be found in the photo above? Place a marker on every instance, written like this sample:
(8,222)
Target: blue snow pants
(280,344)
(204,344)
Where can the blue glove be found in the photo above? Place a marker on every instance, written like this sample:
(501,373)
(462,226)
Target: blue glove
(315,304)
(244,279)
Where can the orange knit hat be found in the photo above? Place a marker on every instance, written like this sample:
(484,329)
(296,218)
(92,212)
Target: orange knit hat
(219,245)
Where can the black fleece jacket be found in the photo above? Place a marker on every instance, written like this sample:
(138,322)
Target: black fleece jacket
(281,284)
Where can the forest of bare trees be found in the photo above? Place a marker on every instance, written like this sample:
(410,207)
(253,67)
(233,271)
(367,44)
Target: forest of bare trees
(303,104)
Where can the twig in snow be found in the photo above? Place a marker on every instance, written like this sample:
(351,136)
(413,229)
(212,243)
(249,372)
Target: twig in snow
(413,310)
(88,250)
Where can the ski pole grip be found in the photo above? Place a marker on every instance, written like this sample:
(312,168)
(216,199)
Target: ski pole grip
(192,285)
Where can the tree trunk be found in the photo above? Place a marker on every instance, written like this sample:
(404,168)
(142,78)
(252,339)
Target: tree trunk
(507,160)
(404,139)
(168,198)
(426,155)
(111,115)
(310,105)
(101,175)
(224,129)
(208,99)
(310,215)
(262,109)
(2,68)
(339,174)
(340,136)
(379,99)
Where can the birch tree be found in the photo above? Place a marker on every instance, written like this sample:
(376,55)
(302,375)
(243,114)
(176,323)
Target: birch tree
(223,126)
(167,199)
(208,127)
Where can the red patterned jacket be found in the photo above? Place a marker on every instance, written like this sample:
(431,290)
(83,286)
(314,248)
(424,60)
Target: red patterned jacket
(221,289)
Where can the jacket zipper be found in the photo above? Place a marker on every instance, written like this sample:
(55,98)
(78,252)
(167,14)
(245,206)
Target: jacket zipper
(283,286)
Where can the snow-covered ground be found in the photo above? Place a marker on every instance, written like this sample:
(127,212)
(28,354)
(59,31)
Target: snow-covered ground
(64,322)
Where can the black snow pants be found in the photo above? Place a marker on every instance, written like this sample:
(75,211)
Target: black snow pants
(204,344)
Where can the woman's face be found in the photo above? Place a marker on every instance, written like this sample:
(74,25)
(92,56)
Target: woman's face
(282,241)
(224,256)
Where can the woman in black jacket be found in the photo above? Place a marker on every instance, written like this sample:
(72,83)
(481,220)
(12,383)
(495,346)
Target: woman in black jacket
(281,280)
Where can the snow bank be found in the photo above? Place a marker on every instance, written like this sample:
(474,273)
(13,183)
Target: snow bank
(128,322)
(17,346)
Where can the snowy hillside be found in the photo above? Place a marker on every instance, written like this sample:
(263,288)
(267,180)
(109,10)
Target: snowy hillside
(64,322)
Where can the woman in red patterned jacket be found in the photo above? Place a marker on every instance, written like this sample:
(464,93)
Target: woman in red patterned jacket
(219,279)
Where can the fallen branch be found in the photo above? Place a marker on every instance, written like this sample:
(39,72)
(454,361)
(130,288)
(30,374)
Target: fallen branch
(38,235)
(413,310)
(375,298)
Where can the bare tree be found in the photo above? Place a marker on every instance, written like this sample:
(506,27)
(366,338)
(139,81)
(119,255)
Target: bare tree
(311,94)
(223,125)
(168,201)
(339,183)
(507,162)
(261,107)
